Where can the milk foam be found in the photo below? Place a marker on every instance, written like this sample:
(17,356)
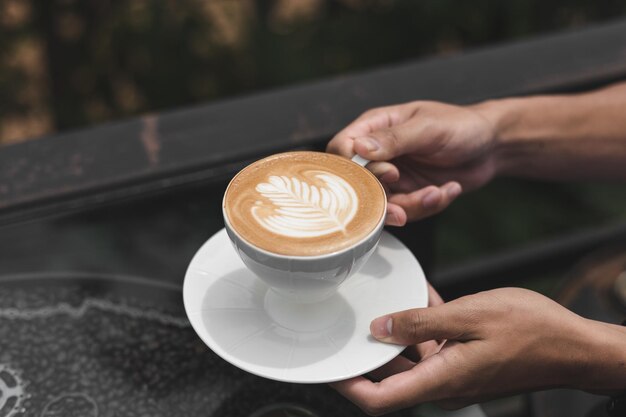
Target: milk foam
(301,210)
(304,203)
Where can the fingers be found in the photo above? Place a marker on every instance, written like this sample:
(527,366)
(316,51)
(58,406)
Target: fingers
(385,171)
(395,366)
(425,382)
(370,121)
(446,321)
(422,203)
(341,145)
(422,351)
(434,299)
(385,144)
(363,393)
(396,216)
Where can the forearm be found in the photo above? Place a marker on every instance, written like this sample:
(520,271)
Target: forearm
(561,137)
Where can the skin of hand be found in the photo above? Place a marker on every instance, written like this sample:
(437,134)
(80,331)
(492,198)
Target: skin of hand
(495,343)
(425,154)
(508,340)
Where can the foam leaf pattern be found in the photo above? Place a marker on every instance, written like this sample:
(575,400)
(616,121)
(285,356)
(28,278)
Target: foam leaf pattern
(302,210)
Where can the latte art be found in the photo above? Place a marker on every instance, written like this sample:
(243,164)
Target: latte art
(304,203)
(302,210)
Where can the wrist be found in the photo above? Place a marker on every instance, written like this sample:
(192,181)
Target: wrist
(603,370)
(502,116)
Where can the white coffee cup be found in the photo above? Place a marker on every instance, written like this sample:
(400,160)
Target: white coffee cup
(306,279)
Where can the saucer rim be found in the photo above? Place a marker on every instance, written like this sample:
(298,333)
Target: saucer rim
(195,319)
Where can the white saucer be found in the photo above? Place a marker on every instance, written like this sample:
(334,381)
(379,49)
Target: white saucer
(237,316)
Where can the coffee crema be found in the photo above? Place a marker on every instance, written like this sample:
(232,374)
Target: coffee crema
(304,203)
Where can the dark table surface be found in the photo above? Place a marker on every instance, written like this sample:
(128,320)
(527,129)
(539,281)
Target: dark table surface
(92,322)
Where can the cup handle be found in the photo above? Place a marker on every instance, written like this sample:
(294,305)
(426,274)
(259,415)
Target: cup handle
(360,160)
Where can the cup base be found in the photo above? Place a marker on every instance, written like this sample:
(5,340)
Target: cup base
(304,317)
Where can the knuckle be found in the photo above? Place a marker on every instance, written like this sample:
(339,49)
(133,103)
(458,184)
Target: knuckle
(479,312)
(416,325)
(390,137)
(340,145)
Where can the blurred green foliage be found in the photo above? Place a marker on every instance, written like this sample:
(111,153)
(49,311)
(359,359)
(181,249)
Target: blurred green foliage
(511,212)
(103,60)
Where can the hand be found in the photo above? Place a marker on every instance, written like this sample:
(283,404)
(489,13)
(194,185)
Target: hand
(425,153)
(419,351)
(497,343)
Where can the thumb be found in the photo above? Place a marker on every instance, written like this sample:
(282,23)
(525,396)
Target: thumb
(418,325)
(385,144)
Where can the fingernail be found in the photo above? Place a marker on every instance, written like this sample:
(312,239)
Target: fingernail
(453,190)
(381,327)
(431,199)
(370,144)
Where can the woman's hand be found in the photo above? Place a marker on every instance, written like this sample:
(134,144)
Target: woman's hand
(497,343)
(425,153)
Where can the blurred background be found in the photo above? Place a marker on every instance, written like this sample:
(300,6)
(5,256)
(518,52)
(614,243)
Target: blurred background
(69,64)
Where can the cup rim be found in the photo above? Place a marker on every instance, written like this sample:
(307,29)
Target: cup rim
(374,230)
